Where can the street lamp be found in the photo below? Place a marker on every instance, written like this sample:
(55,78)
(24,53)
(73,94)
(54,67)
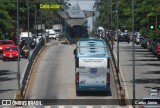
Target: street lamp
(133,54)
(117,40)
(111,27)
(18,92)
(28,28)
(17,35)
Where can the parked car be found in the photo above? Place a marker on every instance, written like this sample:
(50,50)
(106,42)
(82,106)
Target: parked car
(154,45)
(156,50)
(10,53)
(144,43)
(149,46)
(150,102)
(153,92)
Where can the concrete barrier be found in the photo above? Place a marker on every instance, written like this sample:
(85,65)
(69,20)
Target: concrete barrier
(120,90)
(25,77)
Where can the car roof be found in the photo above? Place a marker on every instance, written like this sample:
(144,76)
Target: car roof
(11,46)
(151,97)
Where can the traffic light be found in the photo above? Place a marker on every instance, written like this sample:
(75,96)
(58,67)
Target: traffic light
(158,22)
(152,22)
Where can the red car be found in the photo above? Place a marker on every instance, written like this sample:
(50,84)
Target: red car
(157,51)
(10,53)
(5,43)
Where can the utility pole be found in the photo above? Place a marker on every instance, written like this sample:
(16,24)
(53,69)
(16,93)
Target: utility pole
(133,54)
(28,29)
(17,34)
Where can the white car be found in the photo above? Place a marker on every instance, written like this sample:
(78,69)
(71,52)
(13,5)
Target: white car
(153,92)
(52,35)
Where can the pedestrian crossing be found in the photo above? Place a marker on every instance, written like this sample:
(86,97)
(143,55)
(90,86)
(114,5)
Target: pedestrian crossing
(70,106)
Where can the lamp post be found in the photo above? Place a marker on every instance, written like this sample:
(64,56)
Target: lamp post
(117,39)
(133,54)
(35,16)
(28,28)
(17,35)
(111,27)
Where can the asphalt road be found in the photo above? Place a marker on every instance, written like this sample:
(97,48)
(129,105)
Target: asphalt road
(54,76)
(8,77)
(147,71)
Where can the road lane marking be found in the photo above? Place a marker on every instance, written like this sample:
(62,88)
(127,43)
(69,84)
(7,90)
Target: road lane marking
(61,107)
(89,106)
(47,106)
(75,106)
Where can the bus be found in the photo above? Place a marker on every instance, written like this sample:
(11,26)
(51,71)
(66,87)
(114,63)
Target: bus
(91,42)
(92,66)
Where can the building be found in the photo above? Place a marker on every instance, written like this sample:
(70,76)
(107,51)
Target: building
(75,22)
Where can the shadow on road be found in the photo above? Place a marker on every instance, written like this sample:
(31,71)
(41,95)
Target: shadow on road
(6,90)
(147,59)
(146,81)
(152,72)
(6,72)
(6,78)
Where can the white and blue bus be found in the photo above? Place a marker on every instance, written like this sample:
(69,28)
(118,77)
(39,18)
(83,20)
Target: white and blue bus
(92,65)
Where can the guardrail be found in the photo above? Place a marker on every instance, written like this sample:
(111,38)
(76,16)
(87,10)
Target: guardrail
(27,73)
(120,90)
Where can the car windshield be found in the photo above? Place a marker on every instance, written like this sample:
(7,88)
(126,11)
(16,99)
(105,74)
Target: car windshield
(6,43)
(57,30)
(11,49)
(25,38)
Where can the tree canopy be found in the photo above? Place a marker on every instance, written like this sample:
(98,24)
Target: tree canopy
(8,14)
(142,9)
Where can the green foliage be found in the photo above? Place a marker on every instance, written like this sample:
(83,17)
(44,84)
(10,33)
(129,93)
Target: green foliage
(142,9)
(8,14)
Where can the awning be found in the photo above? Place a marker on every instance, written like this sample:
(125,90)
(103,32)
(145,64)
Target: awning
(73,22)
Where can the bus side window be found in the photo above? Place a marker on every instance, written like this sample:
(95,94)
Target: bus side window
(77,63)
(108,63)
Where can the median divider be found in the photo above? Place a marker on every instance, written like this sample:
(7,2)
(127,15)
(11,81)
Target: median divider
(25,77)
(120,90)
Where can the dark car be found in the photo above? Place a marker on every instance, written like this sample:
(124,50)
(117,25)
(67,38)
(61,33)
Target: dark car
(124,37)
(144,43)
(32,43)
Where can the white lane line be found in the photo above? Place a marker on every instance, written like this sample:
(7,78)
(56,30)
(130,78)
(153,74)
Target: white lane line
(47,106)
(75,107)
(61,107)
(89,106)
